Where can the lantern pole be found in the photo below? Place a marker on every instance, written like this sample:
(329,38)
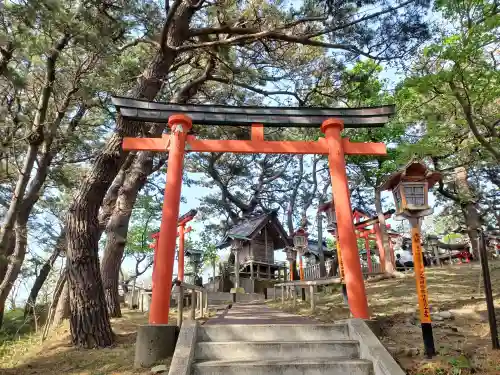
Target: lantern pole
(423,300)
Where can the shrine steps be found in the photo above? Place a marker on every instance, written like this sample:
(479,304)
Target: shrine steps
(299,347)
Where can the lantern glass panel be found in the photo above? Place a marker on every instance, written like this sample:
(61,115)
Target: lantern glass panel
(397,199)
(415,193)
(331,217)
(299,241)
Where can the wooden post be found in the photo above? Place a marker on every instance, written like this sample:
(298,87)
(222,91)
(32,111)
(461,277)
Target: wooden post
(368,255)
(353,276)
(165,257)
(193,304)
(282,294)
(311,297)
(180,260)
(274,290)
(206,303)
(436,255)
(292,290)
(180,305)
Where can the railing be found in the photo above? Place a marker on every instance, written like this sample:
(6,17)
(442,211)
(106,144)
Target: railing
(198,300)
(312,272)
(290,288)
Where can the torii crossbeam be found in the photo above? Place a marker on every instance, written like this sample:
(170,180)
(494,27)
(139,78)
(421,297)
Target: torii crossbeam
(178,142)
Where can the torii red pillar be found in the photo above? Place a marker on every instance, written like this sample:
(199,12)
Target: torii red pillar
(165,257)
(356,293)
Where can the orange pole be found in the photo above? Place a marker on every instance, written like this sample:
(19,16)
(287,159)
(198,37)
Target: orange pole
(423,299)
(165,257)
(180,262)
(368,255)
(155,249)
(341,264)
(356,293)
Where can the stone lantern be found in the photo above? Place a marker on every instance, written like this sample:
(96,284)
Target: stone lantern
(433,242)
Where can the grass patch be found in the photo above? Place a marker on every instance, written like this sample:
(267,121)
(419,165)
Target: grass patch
(28,355)
(463,343)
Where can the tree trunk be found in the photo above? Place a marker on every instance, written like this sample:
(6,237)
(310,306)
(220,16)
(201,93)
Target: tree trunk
(35,138)
(15,263)
(90,324)
(44,273)
(62,310)
(389,267)
(116,231)
(135,179)
(469,209)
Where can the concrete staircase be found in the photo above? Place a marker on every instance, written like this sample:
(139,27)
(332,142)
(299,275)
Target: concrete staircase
(306,349)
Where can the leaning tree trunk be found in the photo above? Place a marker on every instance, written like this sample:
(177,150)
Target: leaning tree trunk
(14,266)
(116,231)
(90,325)
(135,179)
(469,208)
(44,273)
(62,310)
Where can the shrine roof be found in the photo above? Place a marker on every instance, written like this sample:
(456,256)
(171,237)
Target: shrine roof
(250,227)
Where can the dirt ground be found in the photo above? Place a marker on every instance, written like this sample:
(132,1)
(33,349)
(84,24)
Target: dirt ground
(463,341)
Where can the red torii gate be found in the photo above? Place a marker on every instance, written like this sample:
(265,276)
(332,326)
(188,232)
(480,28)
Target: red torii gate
(178,142)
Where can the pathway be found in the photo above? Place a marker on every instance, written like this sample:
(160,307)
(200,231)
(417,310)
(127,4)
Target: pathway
(256,313)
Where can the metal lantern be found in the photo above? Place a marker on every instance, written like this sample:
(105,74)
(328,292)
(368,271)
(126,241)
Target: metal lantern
(331,217)
(411,195)
(410,188)
(300,239)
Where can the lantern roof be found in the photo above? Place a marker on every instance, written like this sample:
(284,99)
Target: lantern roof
(415,171)
(300,232)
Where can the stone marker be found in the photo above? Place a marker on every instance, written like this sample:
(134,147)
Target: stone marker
(153,343)
(159,369)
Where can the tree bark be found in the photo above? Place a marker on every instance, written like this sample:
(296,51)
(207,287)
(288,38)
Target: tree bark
(90,325)
(62,310)
(14,266)
(116,231)
(44,273)
(469,208)
(135,179)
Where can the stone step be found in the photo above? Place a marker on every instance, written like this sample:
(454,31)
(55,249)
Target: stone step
(273,332)
(320,366)
(262,350)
